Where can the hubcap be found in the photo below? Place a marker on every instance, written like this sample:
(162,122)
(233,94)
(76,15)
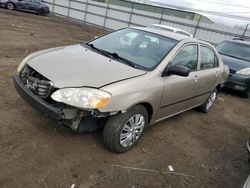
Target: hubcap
(211,100)
(132,130)
(10,6)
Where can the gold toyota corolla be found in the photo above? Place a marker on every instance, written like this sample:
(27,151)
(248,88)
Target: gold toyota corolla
(123,81)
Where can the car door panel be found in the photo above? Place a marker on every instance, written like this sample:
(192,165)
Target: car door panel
(34,5)
(181,93)
(24,4)
(209,70)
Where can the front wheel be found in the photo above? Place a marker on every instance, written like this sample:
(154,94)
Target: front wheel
(122,131)
(10,6)
(205,107)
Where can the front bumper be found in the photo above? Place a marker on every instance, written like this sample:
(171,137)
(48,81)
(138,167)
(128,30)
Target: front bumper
(76,119)
(36,102)
(238,82)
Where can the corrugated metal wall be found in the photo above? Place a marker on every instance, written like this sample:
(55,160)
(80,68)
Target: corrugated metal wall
(114,17)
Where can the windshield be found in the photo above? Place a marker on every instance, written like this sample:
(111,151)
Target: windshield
(142,49)
(234,49)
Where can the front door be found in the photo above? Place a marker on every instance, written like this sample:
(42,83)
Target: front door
(181,93)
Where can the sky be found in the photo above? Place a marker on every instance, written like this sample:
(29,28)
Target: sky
(219,11)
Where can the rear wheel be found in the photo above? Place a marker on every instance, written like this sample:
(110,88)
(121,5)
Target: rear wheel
(205,107)
(41,11)
(10,6)
(246,94)
(123,131)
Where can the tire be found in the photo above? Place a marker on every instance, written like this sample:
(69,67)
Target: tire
(41,11)
(246,94)
(10,6)
(206,106)
(123,124)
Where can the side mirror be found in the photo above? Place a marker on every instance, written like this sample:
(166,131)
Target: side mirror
(177,70)
(96,37)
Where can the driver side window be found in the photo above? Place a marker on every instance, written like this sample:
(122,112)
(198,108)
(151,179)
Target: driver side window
(188,57)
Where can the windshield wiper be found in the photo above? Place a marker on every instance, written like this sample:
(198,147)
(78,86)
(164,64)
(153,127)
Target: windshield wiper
(116,56)
(99,50)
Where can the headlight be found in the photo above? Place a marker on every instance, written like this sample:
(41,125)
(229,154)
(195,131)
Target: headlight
(244,72)
(86,98)
(24,61)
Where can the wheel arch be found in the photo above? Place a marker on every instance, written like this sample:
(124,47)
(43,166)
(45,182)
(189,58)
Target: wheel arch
(218,87)
(11,3)
(149,109)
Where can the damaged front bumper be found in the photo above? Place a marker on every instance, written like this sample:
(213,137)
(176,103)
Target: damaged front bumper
(76,119)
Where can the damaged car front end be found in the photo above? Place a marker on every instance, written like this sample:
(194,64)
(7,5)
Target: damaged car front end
(37,91)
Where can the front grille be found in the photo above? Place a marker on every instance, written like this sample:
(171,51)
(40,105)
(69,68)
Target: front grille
(36,82)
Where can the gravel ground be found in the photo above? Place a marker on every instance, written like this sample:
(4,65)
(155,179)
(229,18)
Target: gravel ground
(36,152)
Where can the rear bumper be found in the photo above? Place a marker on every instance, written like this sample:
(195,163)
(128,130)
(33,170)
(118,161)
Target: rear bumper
(238,82)
(36,102)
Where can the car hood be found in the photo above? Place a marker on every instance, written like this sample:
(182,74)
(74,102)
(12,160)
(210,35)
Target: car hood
(77,66)
(234,63)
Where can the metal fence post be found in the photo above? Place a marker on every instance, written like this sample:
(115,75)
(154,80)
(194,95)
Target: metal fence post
(69,8)
(106,15)
(162,12)
(197,27)
(245,31)
(131,14)
(53,7)
(86,10)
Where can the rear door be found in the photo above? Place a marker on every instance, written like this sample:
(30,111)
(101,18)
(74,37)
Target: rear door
(209,70)
(35,5)
(181,93)
(23,4)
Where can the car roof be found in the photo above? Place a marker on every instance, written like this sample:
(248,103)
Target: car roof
(174,29)
(239,41)
(169,34)
(168,27)
(173,35)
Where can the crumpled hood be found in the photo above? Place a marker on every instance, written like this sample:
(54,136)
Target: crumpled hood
(76,66)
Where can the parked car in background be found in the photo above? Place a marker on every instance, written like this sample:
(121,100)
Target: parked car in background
(26,5)
(126,80)
(236,55)
(247,183)
(170,29)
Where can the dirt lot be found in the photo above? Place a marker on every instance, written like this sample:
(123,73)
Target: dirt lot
(36,152)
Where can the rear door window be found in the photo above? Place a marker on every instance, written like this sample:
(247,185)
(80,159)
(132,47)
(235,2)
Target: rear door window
(208,58)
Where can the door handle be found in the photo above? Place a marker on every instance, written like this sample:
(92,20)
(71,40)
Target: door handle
(196,78)
(217,73)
